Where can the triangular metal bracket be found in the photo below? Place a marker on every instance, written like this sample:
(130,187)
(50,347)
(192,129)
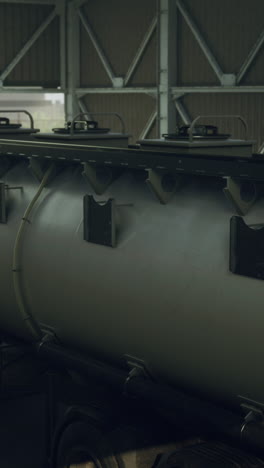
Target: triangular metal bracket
(241,193)
(99,177)
(137,369)
(5,165)
(39,167)
(254,412)
(163,185)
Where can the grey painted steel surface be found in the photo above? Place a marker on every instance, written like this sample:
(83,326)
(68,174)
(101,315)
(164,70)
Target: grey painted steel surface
(165,294)
(228,147)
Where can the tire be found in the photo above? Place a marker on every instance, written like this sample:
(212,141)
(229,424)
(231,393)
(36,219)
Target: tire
(83,438)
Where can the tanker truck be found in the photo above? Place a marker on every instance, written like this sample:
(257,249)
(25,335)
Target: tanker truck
(139,271)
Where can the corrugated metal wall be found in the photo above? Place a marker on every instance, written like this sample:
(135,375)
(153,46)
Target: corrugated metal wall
(251,106)
(231,29)
(120,36)
(41,64)
(134,108)
(120,27)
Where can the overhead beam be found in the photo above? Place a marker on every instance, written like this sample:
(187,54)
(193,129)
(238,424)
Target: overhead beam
(43,2)
(200,40)
(91,90)
(141,50)
(181,90)
(27,89)
(97,46)
(28,45)
(251,56)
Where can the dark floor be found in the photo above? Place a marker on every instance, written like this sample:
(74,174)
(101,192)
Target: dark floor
(23,432)
(24,437)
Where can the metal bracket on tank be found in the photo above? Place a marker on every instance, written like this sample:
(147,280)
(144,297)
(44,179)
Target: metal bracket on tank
(241,193)
(246,248)
(3,217)
(100,177)
(137,368)
(163,185)
(99,221)
(3,201)
(254,411)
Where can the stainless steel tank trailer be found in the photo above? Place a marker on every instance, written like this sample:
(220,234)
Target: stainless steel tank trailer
(156,297)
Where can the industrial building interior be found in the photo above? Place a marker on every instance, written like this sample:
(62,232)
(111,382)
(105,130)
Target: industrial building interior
(131,233)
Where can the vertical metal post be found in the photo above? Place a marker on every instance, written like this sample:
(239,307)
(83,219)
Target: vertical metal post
(167,64)
(61,8)
(73,61)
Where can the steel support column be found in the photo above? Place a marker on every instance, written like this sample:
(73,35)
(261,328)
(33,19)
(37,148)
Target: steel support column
(167,65)
(61,8)
(73,61)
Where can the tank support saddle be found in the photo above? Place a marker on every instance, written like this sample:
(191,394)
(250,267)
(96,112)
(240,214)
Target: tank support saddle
(163,185)
(241,193)
(137,368)
(99,177)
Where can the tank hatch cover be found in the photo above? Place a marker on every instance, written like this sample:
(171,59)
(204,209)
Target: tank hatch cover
(200,132)
(82,127)
(6,125)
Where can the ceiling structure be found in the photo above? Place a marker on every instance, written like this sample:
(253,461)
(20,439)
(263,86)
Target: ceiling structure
(156,63)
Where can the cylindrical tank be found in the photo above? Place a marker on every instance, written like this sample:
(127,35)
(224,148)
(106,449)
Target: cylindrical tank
(164,294)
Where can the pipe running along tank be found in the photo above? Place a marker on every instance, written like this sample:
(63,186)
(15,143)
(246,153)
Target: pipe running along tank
(124,273)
